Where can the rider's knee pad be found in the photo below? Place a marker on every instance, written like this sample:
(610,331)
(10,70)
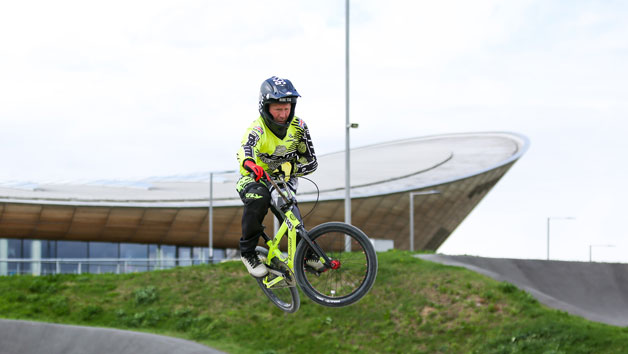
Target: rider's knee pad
(256,195)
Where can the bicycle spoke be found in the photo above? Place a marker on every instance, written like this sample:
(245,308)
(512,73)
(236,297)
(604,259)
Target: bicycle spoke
(352,272)
(345,280)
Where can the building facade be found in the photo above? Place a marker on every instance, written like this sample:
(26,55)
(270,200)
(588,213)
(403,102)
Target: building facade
(157,220)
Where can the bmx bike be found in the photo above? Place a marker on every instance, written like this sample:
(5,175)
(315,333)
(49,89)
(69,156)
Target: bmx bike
(334,263)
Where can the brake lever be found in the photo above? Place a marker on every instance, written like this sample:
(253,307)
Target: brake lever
(285,199)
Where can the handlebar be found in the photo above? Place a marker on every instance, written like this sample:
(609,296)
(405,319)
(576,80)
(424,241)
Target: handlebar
(279,190)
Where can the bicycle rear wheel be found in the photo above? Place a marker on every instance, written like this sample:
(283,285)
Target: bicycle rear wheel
(283,294)
(353,272)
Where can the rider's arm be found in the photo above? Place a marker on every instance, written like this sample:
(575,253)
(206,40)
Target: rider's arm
(306,160)
(248,148)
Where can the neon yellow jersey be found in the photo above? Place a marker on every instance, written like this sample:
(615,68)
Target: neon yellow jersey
(267,150)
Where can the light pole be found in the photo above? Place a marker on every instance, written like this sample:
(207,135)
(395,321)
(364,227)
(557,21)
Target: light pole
(412,194)
(210,252)
(591,248)
(348,127)
(548,230)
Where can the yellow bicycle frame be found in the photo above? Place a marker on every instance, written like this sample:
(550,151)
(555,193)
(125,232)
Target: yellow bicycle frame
(289,227)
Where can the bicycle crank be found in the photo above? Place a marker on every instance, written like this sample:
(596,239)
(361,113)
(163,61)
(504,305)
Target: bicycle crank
(280,269)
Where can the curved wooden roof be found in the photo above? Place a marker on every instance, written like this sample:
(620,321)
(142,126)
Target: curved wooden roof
(174,210)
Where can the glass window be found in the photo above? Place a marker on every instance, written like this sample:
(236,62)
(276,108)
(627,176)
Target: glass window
(199,254)
(137,251)
(103,250)
(153,251)
(153,256)
(168,254)
(15,251)
(133,250)
(27,251)
(185,253)
(72,249)
(27,248)
(48,250)
(168,251)
(15,248)
(219,253)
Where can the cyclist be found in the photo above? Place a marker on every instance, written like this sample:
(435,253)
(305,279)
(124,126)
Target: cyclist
(276,142)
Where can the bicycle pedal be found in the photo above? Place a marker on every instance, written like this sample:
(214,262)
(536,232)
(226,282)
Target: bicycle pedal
(276,272)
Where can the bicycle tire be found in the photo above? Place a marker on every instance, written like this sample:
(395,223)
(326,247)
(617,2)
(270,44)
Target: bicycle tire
(356,273)
(285,297)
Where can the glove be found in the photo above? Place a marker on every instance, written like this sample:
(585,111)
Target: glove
(285,169)
(256,170)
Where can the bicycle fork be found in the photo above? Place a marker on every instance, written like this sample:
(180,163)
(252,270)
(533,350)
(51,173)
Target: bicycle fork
(322,256)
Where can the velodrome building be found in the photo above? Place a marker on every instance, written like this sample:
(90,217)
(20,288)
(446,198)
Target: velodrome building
(156,222)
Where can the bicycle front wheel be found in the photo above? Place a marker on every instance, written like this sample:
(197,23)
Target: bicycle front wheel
(354,265)
(283,295)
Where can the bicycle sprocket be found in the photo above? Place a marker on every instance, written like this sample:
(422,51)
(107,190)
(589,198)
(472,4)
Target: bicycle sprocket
(281,269)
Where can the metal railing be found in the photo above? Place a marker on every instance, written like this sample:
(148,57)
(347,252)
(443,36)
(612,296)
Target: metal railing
(14,266)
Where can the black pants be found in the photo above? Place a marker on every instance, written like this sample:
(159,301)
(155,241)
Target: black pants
(256,199)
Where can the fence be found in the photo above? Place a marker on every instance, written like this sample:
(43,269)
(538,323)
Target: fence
(13,266)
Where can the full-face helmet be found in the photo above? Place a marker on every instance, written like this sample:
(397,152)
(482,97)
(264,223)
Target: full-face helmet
(277,90)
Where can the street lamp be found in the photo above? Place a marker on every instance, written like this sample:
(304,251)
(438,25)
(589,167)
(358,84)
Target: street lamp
(210,252)
(412,194)
(591,247)
(548,229)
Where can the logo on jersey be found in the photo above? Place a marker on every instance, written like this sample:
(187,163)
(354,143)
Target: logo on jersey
(301,123)
(280,150)
(259,130)
(301,148)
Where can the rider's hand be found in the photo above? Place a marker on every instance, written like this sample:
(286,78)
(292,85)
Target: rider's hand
(256,170)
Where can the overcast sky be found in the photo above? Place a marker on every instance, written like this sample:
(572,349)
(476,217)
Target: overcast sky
(133,89)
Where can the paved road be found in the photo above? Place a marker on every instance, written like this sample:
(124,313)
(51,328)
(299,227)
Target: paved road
(18,337)
(595,291)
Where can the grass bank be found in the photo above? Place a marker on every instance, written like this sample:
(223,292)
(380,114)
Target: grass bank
(415,306)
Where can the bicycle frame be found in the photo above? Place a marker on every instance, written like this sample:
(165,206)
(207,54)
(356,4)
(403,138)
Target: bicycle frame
(287,227)
(290,226)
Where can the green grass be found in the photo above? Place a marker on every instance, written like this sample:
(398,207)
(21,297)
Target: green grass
(415,306)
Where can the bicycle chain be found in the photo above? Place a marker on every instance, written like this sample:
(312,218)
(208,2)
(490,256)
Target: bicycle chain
(280,269)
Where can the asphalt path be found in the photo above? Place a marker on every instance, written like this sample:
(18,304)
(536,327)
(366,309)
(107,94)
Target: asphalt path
(595,291)
(19,337)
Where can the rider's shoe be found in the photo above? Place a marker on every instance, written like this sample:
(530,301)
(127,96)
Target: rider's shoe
(312,261)
(253,264)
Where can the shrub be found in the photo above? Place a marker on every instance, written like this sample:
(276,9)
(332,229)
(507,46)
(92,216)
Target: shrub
(145,296)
